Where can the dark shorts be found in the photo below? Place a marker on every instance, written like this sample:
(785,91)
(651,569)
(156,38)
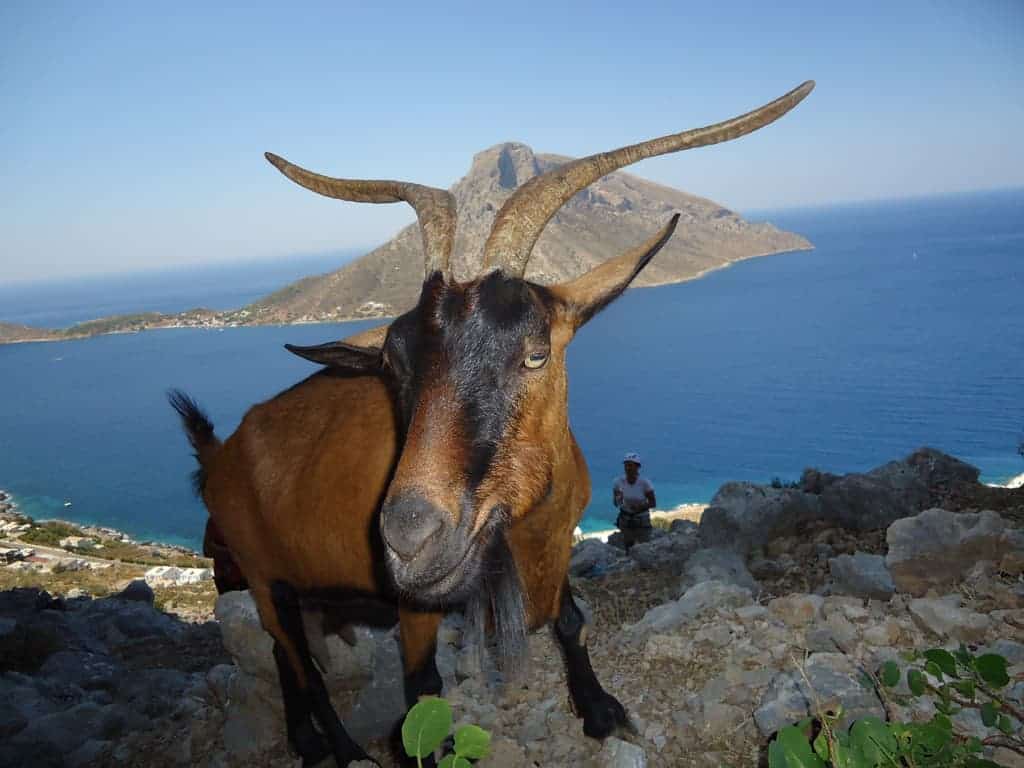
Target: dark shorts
(636,529)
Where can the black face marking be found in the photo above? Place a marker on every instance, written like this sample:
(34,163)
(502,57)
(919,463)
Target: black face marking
(475,336)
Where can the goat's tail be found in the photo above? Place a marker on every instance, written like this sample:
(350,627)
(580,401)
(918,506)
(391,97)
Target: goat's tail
(199,430)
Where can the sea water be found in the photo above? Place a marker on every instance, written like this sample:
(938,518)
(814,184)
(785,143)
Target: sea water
(904,327)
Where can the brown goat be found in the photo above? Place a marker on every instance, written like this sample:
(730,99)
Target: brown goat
(430,464)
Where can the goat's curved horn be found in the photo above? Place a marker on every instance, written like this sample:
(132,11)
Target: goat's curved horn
(435,208)
(523,216)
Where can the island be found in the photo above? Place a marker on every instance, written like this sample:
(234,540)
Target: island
(607,218)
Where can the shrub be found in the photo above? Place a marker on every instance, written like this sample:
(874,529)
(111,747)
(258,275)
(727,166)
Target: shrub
(955,680)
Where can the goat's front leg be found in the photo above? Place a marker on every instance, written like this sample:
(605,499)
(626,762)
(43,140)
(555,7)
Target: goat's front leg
(601,712)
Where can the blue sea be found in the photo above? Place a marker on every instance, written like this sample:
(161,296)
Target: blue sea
(904,327)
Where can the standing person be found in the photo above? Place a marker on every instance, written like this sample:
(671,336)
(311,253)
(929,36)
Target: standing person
(633,496)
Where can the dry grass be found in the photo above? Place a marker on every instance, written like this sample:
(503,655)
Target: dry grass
(97,583)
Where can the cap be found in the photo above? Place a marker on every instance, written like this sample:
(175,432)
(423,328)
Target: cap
(633,457)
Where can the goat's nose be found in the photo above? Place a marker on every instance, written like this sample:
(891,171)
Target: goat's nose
(407,522)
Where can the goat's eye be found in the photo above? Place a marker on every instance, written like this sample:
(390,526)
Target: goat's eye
(535,359)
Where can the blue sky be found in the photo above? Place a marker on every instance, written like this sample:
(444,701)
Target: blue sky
(133,136)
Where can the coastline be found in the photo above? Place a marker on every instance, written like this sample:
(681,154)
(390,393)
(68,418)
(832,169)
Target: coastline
(219,320)
(15,524)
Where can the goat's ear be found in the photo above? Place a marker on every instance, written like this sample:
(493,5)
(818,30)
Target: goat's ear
(588,294)
(359,352)
(340,355)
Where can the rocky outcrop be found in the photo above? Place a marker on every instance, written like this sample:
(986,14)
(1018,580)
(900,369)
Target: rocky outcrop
(862,575)
(743,516)
(937,548)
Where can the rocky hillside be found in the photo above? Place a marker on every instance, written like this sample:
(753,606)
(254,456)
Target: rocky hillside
(610,216)
(712,636)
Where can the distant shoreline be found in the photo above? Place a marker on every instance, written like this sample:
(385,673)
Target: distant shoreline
(207,319)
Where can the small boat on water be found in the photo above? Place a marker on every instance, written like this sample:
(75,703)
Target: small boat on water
(67,503)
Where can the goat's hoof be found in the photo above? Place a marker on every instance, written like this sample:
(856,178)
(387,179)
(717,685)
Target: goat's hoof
(604,716)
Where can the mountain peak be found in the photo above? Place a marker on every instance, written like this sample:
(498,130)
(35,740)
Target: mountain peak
(612,215)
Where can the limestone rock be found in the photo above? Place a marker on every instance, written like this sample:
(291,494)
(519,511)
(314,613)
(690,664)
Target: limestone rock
(620,754)
(955,540)
(243,635)
(591,555)
(797,610)
(671,550)
(699,598)
(742,515)
(717,564)
(861,575)
(944,617)
(834,680)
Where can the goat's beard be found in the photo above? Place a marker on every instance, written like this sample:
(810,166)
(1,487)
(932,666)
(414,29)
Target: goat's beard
(486,585)
(498,603)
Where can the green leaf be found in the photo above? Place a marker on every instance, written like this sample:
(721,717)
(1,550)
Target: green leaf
(943,722)
(1005,725)
(844,757)
(890,674)
(447,762)
(989,715)
(426,726)
(916,681)
(821,745)
(963,656)
(965,687)
(472,741)
(934,670)
(992,669)
(943,660)
(873,738)
(795,750)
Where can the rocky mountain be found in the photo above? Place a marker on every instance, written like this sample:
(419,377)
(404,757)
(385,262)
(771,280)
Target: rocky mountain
(612,215)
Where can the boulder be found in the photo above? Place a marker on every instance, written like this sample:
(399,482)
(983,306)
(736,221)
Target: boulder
(137,590)
(591,556)
(743,515)
(797,610)
(716,564)
(861,575)
(243,635)
(670,550)
(702,597)
(616,753)
(832,679)
(945,618)
(957,540)
(876,499)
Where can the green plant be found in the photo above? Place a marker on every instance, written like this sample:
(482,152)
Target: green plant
(429,723)
(954,680)
(50,533)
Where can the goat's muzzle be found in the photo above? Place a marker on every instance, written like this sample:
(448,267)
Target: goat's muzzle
(408,523)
